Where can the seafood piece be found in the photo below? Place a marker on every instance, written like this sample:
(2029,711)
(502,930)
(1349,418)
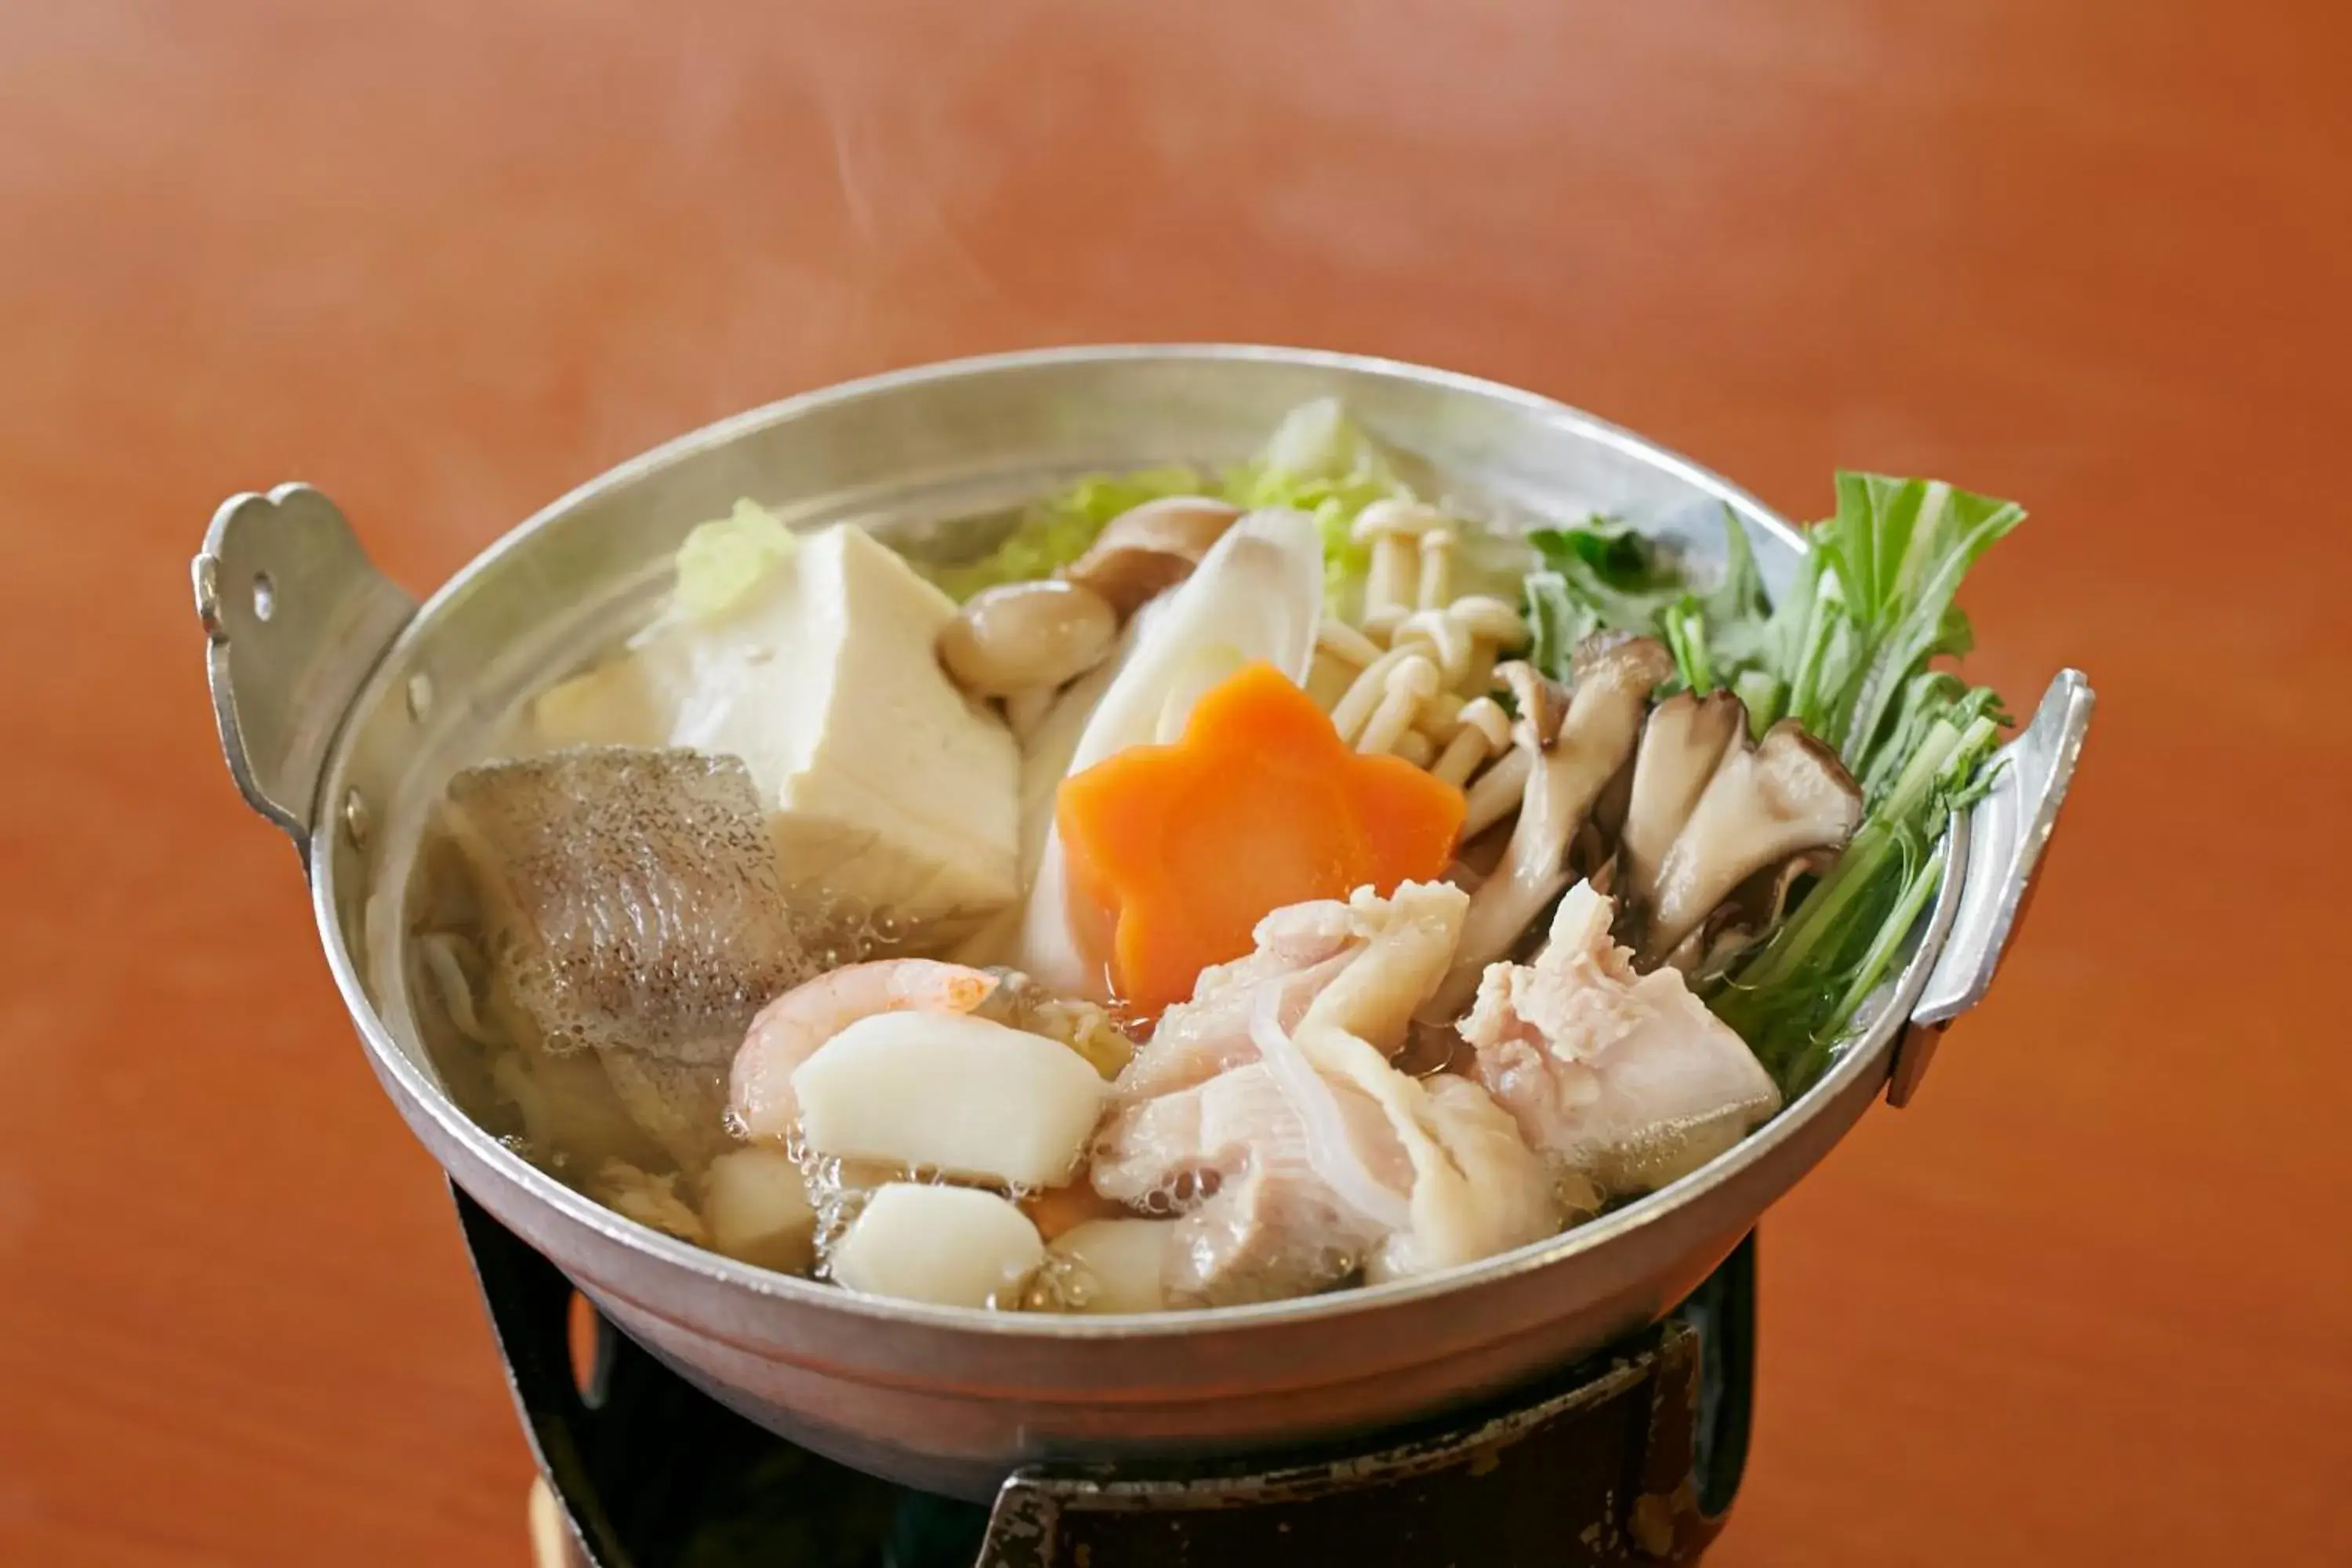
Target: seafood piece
(1623,1079)
(788,1030)
(631,907)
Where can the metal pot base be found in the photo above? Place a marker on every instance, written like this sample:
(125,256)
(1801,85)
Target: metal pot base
(1630,1457)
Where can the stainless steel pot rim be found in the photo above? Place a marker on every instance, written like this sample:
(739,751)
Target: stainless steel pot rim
(1861,1055)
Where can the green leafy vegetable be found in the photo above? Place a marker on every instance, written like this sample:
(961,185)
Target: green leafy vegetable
(1322,463)
(1875,605)
(1557,620)
(1605,577)
(1318,461)
(1846,654)
(1052,533)
(721,562)
(1792,1000)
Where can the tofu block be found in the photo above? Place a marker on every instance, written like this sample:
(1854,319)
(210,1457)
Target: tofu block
(884,785)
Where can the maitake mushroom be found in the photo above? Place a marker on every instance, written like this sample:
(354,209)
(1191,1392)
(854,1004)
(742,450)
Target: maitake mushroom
(1710,811)
(1575,743)
(1396,533)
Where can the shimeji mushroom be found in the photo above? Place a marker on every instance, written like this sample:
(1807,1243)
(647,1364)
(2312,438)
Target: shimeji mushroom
(1412,681)
(1150,547)
(1484,729)
(1465,638)
(1436,587)
(1027,637)
(1695,830)
(1342,653)
(1576,744)
(1393,529)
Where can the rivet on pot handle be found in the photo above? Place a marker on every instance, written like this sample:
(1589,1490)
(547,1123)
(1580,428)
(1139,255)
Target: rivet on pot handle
(2007,831)
(297,617)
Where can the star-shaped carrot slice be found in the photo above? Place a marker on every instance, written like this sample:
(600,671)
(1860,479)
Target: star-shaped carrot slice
(1258,805)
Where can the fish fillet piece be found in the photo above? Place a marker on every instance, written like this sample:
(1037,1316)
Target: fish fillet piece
(683,1106)
(630,898)
(1624,1079)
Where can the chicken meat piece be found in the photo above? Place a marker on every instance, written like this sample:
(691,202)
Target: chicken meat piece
(1477,1188)
(1363,964)
(1261,1217)
(1264,1111)
(1624,1079)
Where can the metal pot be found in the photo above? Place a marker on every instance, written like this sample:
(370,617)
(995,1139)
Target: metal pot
(343,709)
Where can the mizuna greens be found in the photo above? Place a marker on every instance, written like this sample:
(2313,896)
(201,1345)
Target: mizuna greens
(1845,653)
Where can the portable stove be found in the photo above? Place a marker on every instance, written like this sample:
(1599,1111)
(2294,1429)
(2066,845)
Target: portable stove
(1631,1456)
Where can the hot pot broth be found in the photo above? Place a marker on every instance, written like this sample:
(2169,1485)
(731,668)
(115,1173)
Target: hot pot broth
(1232,886)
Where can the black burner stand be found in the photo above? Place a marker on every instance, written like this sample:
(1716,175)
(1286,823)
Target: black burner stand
(1631,1456)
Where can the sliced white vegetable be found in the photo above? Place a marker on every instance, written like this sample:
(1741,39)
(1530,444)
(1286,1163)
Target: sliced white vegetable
(756,1207)
(950,1093)
(1118,1263)
(950,1246)
(1254,596)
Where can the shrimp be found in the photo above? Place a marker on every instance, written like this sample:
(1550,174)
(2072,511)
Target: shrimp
(788,1030)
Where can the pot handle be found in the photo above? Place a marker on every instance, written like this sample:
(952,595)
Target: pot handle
(2007,830)
(295,617)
